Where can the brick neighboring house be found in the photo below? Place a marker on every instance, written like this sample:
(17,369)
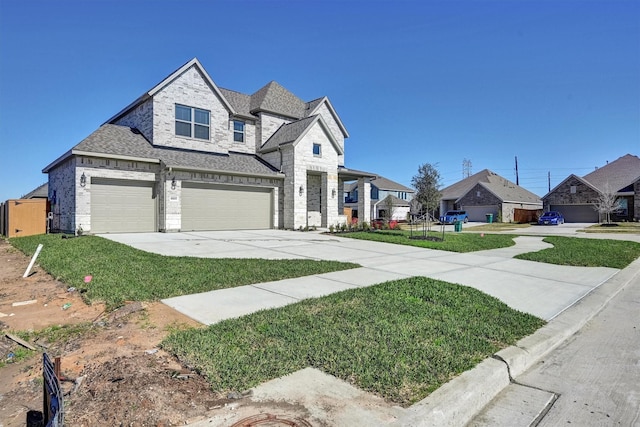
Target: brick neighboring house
(575,196)
(188,155)
(488,193)
(384,193)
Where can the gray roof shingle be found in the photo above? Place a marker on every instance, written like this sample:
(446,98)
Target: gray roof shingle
(274,98)
(617,175)
(503,188)
(287,133)
(115,140)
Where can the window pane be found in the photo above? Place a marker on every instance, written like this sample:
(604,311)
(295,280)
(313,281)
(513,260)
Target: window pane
(202,132)
(201,116)
(183,129)
(238,137)
(316,149)
(238,126)
(183,113)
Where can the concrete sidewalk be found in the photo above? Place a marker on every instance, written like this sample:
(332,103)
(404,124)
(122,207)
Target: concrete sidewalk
(548,291)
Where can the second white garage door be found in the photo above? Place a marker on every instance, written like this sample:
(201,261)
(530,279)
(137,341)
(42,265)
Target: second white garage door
(225,207)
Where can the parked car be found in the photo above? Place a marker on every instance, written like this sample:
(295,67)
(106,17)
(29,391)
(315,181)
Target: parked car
(451,217)
(551,218)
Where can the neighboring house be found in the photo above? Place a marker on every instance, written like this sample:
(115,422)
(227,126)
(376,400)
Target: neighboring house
(488,193)
(385,195)
(41,192)
(575,196)
(188,155)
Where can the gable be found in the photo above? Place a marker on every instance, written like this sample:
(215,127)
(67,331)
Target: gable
(293,133)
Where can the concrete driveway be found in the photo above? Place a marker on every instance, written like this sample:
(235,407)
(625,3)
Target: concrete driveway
(544,290)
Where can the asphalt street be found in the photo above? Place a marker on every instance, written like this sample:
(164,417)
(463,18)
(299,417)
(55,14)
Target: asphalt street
(592,379)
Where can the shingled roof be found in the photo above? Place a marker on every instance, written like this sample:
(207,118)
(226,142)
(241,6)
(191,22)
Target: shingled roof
(274,98)
(116,141)
(383,184)
(502,188)
(618,174)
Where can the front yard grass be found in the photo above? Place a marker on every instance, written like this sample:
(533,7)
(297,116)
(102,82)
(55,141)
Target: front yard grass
(454,242)
(586,252)
(401,339)
(121,273)
(618,227)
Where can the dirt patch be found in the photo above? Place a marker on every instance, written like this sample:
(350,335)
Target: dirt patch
(114,373)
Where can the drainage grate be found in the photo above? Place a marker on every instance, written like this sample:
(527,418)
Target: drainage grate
(270,420)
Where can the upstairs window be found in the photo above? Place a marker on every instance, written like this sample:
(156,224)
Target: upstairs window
(317,150)
(238,131)
(192,122)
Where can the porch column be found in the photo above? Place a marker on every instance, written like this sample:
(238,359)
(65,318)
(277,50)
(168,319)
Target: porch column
(364,200)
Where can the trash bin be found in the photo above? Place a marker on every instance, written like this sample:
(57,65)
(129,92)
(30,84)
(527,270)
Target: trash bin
(489,218)
(457,225)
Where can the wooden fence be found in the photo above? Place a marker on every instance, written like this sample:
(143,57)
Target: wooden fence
(23,217)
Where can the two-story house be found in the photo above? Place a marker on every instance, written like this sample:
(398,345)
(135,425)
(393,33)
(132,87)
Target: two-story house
(188,155)
(388,199)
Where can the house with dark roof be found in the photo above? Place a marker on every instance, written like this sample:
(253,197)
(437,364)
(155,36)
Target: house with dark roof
(388,199)
(575,197)
(188,155)
(488,193)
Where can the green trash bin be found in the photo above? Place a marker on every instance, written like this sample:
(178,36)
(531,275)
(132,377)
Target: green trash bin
(489,218)
(457,226)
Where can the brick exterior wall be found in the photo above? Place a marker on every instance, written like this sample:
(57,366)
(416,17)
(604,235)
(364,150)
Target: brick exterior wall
(324,112)
(62,194)
(192,90)
(268,125)
(562,194)
(140,118)
(479,196)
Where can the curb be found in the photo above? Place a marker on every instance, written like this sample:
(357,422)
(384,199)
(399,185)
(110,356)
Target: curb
(458,401)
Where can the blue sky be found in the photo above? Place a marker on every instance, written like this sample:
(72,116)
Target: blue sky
(555,83)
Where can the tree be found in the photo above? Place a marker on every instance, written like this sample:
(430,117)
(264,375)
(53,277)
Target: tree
(607,202)
(427,184)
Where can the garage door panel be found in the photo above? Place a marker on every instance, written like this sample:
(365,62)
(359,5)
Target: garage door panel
(576,213)
(122,206)
(216,207)
(479,213)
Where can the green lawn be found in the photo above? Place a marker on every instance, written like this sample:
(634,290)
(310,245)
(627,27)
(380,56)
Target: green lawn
(400,339)
(586,252)
(121,273)
(454,242)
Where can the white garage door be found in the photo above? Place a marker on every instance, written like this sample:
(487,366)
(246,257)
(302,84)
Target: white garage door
(220,207)
(122,206)
(576,213)
(479,213)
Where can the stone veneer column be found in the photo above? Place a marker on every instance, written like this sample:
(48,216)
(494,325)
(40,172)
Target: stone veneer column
(364,200)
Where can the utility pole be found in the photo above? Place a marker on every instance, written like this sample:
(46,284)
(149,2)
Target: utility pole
(517,178)
(549,181)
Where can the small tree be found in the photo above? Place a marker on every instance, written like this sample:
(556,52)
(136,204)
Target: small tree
(427,184)
(389,208)
(607,202)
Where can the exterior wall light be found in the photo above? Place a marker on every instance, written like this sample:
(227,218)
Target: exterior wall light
(173,183)
(301,190)
(83,180)
(333,193)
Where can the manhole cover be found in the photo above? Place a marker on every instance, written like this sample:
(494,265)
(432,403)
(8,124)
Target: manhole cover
(269,420)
